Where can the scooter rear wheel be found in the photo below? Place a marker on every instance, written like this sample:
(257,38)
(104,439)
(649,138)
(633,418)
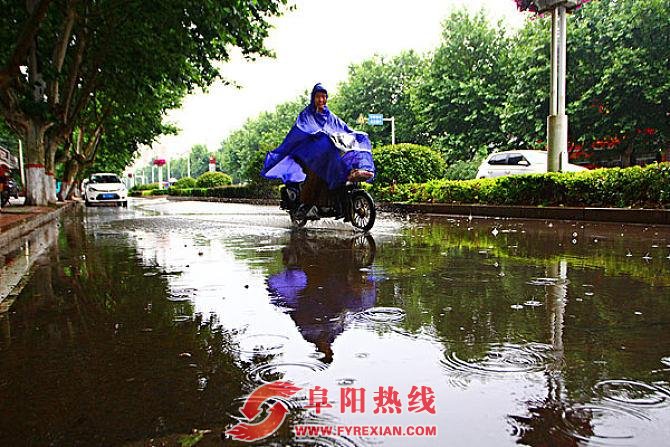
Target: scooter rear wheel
(362,210)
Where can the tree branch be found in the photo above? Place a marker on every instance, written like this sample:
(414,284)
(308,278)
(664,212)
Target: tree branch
(24,43)
(60,49)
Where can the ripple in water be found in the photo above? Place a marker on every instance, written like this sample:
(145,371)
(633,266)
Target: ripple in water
(262,343)
(286,371)
(547,281)
(628,392)
(381,315)
(503,359)
(182,294)
(532,303)
(324,441)
(606,425)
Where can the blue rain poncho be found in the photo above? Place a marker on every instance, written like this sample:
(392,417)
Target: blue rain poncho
(323,143)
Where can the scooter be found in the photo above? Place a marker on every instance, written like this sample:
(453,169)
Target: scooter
(349,202)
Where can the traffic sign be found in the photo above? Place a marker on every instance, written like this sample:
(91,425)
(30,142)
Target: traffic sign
(375,119)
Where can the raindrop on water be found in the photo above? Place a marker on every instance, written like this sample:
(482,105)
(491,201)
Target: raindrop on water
(532,303)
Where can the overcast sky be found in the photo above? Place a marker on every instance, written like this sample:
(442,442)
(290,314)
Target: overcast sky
(315,43)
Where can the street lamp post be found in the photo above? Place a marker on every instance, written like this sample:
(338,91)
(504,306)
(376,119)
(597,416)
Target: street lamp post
(557,121)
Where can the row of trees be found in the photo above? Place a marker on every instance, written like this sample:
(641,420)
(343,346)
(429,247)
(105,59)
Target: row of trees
(83,80)
(483,89)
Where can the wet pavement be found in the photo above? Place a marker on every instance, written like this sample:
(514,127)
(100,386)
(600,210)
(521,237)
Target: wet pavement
(137,326)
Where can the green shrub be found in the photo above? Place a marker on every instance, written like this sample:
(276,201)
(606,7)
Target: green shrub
(156,192)
(144,187)
(252,173)
(615,187)
(407,163)
(462,170)
(213,179)
(184,183)
(231,192)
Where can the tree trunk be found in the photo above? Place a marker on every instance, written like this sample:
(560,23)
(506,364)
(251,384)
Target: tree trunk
(627,155)
(68,185)
(35,172)
(50,168)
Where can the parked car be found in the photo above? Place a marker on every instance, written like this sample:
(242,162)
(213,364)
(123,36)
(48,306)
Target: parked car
(105,188)
(518,162)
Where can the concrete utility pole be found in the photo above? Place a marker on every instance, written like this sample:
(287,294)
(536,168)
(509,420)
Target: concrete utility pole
(557,121)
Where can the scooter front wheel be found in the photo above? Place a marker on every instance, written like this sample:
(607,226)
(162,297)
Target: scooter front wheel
(362,210)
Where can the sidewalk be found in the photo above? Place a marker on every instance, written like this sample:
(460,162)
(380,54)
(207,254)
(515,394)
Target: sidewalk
(17,220)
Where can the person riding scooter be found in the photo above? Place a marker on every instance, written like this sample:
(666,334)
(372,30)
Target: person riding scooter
(321,151)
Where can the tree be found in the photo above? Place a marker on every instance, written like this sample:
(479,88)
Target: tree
(381,86)
(526,105)
(618,78)
(62,53)
(199,155)
(622,76)
(261,134)
(458,103)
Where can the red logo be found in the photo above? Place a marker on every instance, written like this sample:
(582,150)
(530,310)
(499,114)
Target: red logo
(247,431)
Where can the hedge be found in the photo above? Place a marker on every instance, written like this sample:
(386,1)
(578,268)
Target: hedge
(148,192)
(185,182)
(213,180)
(230,192)
(611,187)
(144,187)
(406,163)
(647,187)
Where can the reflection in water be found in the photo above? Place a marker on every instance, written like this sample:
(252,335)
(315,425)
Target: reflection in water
(538,333)
(326,279)
(94,356)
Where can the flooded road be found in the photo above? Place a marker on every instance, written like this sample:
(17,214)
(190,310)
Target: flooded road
(137,326)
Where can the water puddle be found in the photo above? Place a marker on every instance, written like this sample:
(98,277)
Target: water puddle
(511,331)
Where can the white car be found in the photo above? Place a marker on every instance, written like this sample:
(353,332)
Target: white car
(105,188)
(518,162)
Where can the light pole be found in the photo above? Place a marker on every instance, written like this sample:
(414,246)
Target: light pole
(557,121)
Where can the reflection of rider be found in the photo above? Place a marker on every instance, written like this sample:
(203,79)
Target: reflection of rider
(319,295)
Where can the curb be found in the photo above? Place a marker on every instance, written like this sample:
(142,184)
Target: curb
(225,200)
(33,231)
(622,215)
(30,223)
